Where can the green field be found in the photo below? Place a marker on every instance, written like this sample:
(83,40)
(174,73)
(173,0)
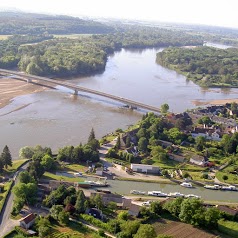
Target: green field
(4,37)
(73,36)
(228,227)
(4,194)
(15,165)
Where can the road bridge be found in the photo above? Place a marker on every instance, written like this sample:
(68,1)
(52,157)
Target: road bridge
(30,78)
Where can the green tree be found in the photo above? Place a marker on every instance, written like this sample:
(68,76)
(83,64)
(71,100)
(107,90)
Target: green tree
(224,177)
(26,152)
(192,211)
(63,218)
(164,108)
(36,169)
(123,215)
(112,206)
(47,162)
(6,157)
(25,177)
(91,135)
(80,202)
(145,231)
(1,165)
(128,141)
(130,227)
(55,211)
(43,226)
(199,143)
(142,144)
(212,215)
(174,206)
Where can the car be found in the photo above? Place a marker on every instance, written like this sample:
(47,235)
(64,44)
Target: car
(146,203)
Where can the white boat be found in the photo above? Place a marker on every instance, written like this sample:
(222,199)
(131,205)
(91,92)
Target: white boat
(214,187)
(176,194)
(192,196)
(230,188)
(186,185)
(157,194)
(137,192)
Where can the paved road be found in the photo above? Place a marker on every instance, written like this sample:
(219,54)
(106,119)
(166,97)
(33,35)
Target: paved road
(6,223)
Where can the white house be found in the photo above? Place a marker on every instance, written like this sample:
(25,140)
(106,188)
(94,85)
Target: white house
(99,171)
(27,221)
(144,168)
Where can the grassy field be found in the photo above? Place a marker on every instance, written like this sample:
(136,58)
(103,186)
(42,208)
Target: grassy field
(48,175)
(228,227)
(15,165)
(178,229)
(76,167)
(3,195)
(232,178)
(72,230)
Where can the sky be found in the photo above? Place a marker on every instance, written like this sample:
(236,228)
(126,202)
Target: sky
(208,12)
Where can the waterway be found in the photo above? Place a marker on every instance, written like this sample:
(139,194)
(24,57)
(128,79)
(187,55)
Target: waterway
(124,187)
(55,118)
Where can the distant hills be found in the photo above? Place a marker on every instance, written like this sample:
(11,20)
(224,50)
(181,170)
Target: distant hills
(32,23)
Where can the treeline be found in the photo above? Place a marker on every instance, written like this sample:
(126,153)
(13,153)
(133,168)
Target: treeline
(67,57)
(206,66)
(12,23)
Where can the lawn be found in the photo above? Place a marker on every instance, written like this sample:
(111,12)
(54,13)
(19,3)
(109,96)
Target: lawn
(4,194)
(232,178)
(76,167)
(51,176)
(73,230)
(4,37)
(15,165)
(228,227)
(178,229)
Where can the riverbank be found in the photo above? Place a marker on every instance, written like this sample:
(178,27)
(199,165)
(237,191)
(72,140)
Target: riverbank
(214,102)
(11,88)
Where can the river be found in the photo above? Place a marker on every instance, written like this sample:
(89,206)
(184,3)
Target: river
(56,118)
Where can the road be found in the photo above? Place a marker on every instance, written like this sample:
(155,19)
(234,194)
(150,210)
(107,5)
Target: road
(6,223)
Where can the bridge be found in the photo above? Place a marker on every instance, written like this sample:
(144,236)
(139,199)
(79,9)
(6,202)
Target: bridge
(30,78)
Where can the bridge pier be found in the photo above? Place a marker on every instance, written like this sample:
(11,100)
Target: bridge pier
(76,92)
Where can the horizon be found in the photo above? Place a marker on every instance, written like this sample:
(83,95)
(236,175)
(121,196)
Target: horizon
(209,13)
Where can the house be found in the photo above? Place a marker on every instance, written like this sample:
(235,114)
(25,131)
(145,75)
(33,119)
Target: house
(96,213)
(198,160)
(99,171)
(109,197)
(177,158)
(134,210)
(144,168)
(230,211)
(207,133)
(27,221)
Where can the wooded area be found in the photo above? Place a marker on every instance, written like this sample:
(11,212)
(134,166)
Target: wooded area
(206,66)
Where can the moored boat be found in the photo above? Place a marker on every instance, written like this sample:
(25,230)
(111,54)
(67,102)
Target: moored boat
(192,196)
(186,185)
(157,194)
(229,188)
(214,187)
(176,194)
(137,192)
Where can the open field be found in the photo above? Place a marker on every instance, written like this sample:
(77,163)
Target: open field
(178,229)
(72,36)
(4,37)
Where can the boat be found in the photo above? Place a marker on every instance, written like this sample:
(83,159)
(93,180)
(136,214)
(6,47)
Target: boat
(214,187)
(89,184)
(176,194)
(157,194)
(192,196)
(229,188)
(137,192)
(186,185)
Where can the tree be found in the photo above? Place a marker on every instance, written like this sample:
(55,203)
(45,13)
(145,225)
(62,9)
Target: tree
(63,217)
(1,165)
(43,226)
(224,177)
(128,141)
(156,208)
(91,135)
(145,231)
(142,144)
(55,211)
(97,200)
(6,157)
(199,143)
(164,108)
(26,192)
(36,169)
(47,162)
(25,177)
(174,207)
(80,202)
(192,211)
(26,152)
(212,215)
(130,227)
(112,206)
(123,215)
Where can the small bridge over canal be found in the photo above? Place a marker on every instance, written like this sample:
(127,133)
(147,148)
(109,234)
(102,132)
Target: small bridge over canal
(31,78)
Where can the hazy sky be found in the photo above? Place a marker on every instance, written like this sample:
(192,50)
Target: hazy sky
(209,12)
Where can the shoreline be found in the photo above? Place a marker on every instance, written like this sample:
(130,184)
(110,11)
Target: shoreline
(214,102)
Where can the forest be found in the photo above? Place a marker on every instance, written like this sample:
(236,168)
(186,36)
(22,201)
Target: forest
(86,55)
(205,66)
(12,23)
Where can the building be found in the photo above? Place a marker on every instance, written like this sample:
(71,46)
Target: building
(99,171)
(144,168)
(198,160)
(177,158)
(230,211)
(109,197)
(96,213)
(134,210)
(27,221)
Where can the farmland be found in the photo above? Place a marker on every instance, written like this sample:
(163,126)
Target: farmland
(178,229)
